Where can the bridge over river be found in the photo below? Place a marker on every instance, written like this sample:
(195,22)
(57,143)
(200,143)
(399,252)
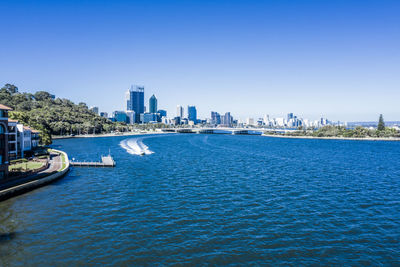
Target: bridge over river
(234,131)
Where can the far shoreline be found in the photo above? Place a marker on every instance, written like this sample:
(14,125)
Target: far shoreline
(335,138)
(265,135)
(107,135)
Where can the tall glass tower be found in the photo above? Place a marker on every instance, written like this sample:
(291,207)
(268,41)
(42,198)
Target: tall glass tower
(153,104)
(179,111)
(135,101)
(192,114)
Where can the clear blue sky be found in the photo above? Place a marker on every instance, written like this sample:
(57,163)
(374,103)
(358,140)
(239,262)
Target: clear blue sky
(339,59)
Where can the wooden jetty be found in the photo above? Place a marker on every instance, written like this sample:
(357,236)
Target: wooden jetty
(106,161)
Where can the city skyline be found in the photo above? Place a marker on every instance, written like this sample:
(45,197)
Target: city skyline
(136,112)
(331,59)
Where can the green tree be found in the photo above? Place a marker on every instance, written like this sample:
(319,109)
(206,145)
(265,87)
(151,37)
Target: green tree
(381,123)
(42,96)
(10,88)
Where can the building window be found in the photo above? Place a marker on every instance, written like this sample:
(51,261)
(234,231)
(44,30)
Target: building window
(2,129)
(2,175)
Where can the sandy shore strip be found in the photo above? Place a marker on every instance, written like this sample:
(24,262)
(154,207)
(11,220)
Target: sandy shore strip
(337,138)
(109,135)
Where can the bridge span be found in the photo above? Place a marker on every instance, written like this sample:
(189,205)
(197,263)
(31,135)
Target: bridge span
(233,131)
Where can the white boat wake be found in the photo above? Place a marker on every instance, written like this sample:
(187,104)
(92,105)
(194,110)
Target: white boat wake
(135,146)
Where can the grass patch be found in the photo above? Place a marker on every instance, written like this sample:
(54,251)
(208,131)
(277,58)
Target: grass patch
(26,166)
(63,162)
(16,161)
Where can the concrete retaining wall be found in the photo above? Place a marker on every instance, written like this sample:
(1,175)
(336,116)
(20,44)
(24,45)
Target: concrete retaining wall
(23,188)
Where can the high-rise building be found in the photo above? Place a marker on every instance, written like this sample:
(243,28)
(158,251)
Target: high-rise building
(135,101)
(153,104)
(289,116)
(228,119)
(192,114)
(179,111)
(215,118)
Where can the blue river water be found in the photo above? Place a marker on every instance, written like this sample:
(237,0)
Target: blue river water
(195,199)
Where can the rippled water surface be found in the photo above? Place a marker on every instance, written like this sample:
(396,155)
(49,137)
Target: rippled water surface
(212,199)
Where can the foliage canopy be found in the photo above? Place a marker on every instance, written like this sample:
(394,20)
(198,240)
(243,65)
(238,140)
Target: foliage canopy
(52,116)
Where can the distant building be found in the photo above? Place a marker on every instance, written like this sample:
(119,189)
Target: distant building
(179,112)
(289,116)
(104,114)
(228,119)
(4,140)
(163,113)
(250,121)
(153,104)
(176,121)
(215,118)
(192,114)
(120,116)
(95,110)
(150,118)
(131,116)
(135,101)
(184,121)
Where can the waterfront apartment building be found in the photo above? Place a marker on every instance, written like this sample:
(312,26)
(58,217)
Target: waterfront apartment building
(27,140)
(13,134)
(35,138)
(192,114)
(4,140)
(153,104)
(135,101)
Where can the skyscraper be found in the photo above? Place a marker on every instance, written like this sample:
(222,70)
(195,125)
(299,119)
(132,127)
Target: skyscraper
(192,114)
(215,118)
(179,111)
(153,104)
(135,101)
(228,119)
(289,116)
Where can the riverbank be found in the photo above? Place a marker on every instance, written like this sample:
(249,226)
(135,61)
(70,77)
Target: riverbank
(336,138)
(55,137)
(57,168)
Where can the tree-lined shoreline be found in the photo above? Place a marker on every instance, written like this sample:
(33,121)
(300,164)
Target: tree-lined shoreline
(54,116)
